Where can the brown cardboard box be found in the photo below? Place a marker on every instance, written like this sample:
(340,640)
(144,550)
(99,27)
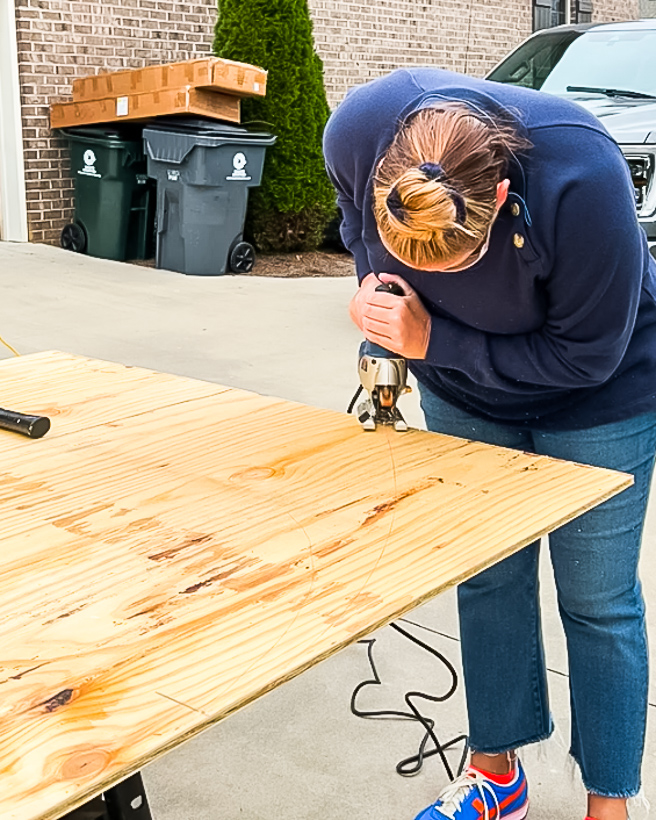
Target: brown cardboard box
(211,73)
(144,106)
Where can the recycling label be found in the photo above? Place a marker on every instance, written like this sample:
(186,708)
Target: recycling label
(89,169)
(239,162)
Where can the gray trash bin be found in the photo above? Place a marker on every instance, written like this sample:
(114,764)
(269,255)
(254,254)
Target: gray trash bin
(203,170)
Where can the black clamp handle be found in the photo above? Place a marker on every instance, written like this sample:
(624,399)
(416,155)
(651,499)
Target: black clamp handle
(32,426)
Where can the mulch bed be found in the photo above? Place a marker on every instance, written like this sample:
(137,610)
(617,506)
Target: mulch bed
(294,265)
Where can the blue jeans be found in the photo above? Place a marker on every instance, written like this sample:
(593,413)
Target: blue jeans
(595,562)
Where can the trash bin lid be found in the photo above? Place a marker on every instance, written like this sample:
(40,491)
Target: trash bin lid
(105,134)
(172,140)
(205,128)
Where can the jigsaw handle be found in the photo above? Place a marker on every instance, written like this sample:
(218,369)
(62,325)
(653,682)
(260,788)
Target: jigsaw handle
(391,287)
(369,348)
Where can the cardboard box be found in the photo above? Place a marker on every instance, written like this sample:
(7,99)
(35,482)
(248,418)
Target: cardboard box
(211,73)
(145,106)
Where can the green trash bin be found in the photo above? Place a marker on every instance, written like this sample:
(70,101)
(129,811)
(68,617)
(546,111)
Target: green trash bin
(114,198)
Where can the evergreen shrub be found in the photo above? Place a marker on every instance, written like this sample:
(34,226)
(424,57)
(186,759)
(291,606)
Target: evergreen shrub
(290,210)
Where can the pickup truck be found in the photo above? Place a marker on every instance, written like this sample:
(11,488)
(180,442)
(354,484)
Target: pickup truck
(609,68)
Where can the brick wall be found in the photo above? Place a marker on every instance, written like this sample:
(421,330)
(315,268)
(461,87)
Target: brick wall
(462,35)
(357,39)
(603,10)
(62,39)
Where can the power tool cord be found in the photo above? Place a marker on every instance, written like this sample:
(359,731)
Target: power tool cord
(9,347)
(354,399)
(412,765)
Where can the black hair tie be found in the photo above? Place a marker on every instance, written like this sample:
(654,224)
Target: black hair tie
(461,209)
(395,206)
(433,170)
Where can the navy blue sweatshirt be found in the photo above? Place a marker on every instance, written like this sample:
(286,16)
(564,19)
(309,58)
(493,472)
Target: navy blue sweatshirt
(555,327)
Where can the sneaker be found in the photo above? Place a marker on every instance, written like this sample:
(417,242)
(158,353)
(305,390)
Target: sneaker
(472,796)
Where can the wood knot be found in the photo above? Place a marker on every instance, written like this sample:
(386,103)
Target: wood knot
(58,700)
(254,474)
(85,763)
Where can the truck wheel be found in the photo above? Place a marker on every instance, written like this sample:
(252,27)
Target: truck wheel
(242,258)
(73,238)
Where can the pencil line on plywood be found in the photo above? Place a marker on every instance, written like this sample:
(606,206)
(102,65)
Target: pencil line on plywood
(180,703)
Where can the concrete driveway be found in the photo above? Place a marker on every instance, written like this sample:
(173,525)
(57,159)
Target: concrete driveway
(298,753)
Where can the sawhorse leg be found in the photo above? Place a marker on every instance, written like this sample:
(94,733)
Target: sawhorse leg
(125,801)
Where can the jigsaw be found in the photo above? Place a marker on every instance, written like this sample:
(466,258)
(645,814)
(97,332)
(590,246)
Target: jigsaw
(383,375)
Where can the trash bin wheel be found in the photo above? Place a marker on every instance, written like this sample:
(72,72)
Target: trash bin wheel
(242,258)
(73,238)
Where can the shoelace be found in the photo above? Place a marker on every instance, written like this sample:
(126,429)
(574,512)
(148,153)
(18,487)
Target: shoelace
(455,793)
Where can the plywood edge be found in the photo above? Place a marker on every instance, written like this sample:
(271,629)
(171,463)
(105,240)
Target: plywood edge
(65,363)
(213,388)
(62,357)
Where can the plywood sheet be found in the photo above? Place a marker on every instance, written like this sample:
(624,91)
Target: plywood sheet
(174,549)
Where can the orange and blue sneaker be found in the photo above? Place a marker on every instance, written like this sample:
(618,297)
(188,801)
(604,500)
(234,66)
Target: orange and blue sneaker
(478,795)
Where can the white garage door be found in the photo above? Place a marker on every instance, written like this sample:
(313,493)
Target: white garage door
(13,212)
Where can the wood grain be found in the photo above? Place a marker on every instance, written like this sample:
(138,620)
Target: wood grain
(173,549)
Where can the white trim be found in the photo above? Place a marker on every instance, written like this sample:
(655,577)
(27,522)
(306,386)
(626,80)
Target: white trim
(13,206)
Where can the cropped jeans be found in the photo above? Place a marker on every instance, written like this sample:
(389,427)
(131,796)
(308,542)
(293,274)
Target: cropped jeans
(595,562)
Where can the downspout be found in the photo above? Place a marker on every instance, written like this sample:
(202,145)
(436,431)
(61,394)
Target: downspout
(568,11)
(13,205)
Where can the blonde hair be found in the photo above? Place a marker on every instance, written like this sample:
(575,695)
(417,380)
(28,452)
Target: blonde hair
(435,189)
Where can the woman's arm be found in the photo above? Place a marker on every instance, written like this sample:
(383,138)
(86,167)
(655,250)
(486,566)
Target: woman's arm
(351,226)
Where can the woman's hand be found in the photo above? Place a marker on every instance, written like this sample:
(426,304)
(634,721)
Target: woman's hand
(398,323)
(359,301)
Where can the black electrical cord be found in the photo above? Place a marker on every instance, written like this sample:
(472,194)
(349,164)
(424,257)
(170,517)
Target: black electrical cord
(354,399)
(412,765)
